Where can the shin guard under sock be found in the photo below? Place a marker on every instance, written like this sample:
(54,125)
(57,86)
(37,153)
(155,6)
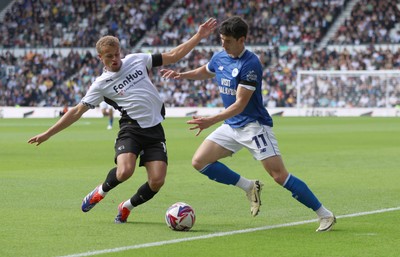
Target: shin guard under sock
(301,192)
(143,194)
(220,173)
(111,180)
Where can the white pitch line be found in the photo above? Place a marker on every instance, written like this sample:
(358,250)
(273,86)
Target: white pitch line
(220,234)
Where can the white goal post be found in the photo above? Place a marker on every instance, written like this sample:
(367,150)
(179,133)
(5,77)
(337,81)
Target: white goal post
(348,89)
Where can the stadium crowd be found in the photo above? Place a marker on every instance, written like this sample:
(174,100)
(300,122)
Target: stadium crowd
(371,21)
(50,81)
(76,23)
(55,80)
(272,22)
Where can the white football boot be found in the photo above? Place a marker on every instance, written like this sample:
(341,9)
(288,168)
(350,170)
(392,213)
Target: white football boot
(254,197)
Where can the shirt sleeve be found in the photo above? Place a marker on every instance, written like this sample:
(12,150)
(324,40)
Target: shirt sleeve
(211,64)
(92,97)
(150,60)
(251,73)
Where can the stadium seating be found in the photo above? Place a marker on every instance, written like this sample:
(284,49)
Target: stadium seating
(371,21)
(285,35)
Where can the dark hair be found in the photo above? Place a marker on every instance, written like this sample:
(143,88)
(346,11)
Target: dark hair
(234,27)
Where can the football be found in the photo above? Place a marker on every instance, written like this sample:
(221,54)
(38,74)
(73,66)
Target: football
(180,217)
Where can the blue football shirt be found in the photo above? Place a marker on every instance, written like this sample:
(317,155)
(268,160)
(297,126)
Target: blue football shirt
(229,73)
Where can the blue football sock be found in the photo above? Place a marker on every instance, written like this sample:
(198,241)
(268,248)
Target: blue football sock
(301,192)
(220,173)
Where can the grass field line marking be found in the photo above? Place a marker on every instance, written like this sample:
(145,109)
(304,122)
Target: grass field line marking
(220,234)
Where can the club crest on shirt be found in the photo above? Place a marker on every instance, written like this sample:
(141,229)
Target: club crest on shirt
(235,72)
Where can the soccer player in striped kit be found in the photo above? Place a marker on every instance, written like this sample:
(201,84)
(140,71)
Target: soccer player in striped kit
(247,124)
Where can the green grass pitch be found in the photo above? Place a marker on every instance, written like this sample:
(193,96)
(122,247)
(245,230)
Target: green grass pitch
(351,164)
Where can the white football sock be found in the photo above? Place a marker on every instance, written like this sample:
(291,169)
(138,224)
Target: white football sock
(323,212)
(127,204)
(101,192)
(245,184)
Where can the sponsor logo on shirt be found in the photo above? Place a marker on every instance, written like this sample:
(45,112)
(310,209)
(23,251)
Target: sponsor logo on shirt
(225,82)
(227,91)
(251,76)
(129,81)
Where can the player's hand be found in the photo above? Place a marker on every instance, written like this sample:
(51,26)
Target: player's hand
(38,139)
(200,122)
(207,28)
(168,74)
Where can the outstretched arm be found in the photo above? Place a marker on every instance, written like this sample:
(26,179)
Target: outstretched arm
(183,49)
(200,73)
(243,96)
(65,121)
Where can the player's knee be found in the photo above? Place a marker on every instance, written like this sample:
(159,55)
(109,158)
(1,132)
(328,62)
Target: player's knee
(197,164)
(156,183)
(279,177)
(124,173)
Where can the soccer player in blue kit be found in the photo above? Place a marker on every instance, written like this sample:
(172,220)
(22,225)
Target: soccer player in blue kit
(247,123)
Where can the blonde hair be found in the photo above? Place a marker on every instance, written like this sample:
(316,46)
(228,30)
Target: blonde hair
(106,41)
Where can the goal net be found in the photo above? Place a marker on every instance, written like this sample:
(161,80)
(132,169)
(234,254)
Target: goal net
(348,89)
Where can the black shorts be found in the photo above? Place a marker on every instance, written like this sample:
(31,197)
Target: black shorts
(147,143)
